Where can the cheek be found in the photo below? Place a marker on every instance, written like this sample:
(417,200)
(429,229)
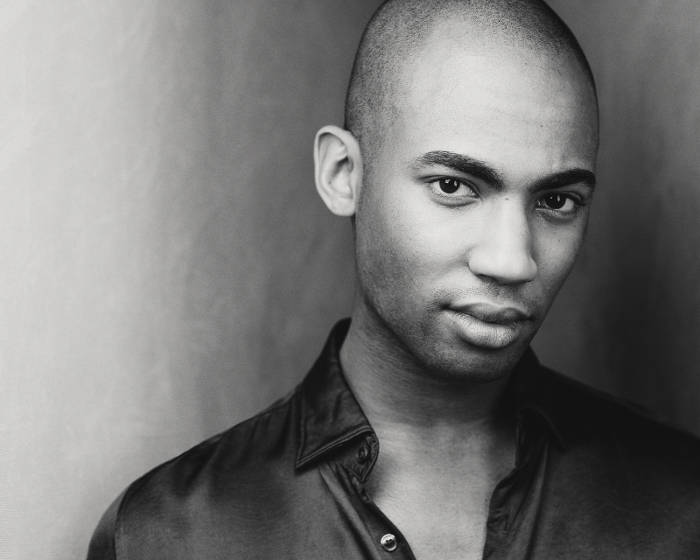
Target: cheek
(400,235)
(385,256)
(557,254)
(396,252)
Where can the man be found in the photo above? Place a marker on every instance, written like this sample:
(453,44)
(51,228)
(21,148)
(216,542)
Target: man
(427,429)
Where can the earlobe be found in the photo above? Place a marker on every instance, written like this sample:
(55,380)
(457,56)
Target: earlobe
(338,169)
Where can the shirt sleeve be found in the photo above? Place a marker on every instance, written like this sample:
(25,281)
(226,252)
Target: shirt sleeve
(103,545)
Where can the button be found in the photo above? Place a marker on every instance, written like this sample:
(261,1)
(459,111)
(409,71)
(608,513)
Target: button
(389,542)
(363,454)
(364,496)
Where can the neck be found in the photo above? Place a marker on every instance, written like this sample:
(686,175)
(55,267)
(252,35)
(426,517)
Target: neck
(396,392)
(444,443)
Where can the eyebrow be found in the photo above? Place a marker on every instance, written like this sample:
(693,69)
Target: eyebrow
(470,166)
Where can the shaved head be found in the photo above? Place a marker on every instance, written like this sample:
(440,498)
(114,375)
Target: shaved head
(401,29)
(468,166)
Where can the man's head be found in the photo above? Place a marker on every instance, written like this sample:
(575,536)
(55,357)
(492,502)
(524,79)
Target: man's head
(467,164)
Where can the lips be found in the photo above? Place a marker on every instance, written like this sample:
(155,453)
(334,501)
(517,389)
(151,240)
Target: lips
(486,325)
(489,313)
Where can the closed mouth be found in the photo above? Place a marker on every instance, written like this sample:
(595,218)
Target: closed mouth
(489,313)
(487,326)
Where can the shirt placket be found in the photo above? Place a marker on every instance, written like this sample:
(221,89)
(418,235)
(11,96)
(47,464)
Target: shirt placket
(516,499)
(357,462)
(506,509)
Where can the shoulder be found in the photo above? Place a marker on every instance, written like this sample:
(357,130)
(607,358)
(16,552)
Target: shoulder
(611,419)
(609,480)
(167,502)
(615,439)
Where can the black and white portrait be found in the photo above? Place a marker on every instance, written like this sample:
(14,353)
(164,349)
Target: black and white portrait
(322,279)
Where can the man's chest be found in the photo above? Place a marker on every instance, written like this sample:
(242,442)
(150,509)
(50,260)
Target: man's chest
(440,529)
(441,507)
(327,513)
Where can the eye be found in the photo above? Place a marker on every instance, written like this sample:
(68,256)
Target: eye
(562,203)
(449,187)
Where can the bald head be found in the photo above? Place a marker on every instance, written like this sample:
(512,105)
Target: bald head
(401,29)
(468,169)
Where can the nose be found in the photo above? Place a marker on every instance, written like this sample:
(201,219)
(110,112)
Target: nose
(504,252)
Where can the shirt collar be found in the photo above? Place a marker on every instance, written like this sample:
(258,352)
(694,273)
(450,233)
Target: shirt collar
(331,417)
(534,401)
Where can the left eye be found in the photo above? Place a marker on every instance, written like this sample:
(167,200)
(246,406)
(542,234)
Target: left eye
(560,202)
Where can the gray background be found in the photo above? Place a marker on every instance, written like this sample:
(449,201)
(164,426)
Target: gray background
(168,270)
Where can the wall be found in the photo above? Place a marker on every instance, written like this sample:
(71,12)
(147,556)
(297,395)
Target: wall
(168,269)
(628,320)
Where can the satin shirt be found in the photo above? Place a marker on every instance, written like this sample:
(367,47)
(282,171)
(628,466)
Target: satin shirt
(594,478)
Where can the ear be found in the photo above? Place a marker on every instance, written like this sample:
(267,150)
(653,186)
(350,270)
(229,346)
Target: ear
(338,163)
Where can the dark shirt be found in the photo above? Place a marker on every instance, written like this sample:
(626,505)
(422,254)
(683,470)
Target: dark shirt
(594,479)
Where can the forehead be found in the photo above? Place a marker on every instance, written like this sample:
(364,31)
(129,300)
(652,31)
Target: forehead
(506,104)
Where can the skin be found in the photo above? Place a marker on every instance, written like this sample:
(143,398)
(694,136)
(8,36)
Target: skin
(452,286)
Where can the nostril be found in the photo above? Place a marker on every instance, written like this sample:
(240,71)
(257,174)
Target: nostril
(504,267)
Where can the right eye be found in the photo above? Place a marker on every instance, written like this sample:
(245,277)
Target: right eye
(449,185)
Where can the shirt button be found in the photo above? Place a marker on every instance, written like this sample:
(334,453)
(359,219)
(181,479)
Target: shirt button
(389,542)
(362,454)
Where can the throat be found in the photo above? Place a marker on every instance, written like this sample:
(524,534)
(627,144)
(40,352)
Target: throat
(444,446)
(392,387)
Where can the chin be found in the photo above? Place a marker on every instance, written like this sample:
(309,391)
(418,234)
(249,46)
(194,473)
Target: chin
(462,362)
